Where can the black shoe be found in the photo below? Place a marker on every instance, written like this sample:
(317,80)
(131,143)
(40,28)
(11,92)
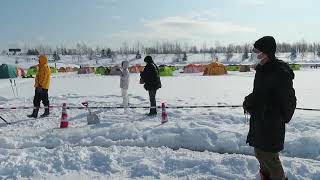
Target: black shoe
(32,116)
(34,113)
(44,115)
(264,176)
(152,114)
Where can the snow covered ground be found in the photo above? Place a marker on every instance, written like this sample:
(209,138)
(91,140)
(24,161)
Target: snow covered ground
(204,143)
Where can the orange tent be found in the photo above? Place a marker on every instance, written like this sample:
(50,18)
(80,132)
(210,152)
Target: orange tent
(66,69)
(85,70)
(193,68)
(70,69)
(215,68)
(136,68)
(62,69)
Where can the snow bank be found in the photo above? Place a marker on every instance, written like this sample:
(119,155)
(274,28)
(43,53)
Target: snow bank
(65,162)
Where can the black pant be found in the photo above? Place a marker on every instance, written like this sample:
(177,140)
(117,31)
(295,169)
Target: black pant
(152,98)
(41,96)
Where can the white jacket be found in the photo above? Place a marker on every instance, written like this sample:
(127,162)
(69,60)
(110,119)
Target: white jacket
(124,76)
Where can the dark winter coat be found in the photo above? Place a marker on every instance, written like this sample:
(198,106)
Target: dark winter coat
(271,105)
(150,76)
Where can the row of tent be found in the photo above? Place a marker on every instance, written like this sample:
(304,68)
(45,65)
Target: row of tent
(32,71)
(215,68)
(10,71)
(114,70)
(197,68)
(164,70)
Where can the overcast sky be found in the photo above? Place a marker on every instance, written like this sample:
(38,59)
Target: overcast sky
(109,23)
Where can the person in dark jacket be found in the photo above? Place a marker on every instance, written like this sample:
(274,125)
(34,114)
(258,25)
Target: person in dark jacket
(271,105)
(152,83)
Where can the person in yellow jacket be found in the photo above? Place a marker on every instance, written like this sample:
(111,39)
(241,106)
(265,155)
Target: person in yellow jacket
(41,85)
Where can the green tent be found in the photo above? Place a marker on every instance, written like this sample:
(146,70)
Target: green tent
(8,71)
(295,67)
(54,70)
(165,71)
(233,68)
(107,70)
(173,68)
(100,70)
(32,71)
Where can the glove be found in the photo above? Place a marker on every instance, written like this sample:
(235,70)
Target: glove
(245,107)
(247,104)
(39,90)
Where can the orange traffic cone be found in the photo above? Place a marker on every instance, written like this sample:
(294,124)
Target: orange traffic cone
(164,115)
(64,117)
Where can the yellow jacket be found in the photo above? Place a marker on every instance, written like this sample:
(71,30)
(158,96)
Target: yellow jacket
(44,73)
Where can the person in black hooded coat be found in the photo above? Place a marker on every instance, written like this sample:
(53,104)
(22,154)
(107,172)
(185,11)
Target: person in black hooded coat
(152,83)
(271,105)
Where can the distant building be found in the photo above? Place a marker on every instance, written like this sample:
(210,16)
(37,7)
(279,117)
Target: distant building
(14,51)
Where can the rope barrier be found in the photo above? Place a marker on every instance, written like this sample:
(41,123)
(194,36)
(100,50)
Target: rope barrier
(307,109)
(120,107)
(142,107)
(25,107)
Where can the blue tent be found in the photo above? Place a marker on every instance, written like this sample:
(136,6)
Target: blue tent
(8,71)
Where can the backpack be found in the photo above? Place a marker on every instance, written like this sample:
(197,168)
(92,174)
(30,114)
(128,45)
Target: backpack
(288,100)
(289,105)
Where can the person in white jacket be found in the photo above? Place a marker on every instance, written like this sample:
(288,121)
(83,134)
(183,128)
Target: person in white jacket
(124,83)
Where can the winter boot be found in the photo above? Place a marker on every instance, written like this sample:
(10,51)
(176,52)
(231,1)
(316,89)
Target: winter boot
(46,113)
(263,176)
(153,112)
(34,113)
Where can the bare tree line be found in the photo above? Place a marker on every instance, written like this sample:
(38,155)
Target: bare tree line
(167,47)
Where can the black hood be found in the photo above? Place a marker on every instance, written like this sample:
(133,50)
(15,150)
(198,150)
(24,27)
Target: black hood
(148,59)
(286,69)
(277,65)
